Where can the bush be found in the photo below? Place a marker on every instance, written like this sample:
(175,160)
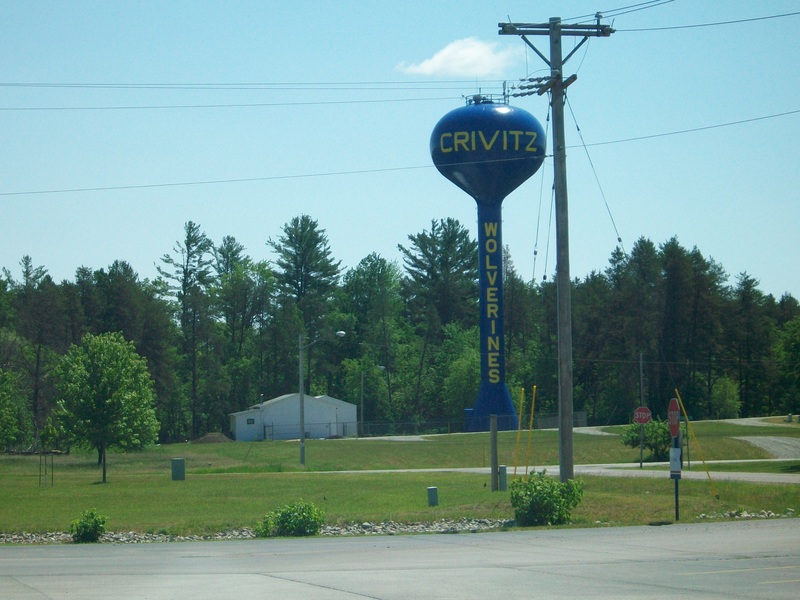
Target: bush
(293,520)
(657,438)
(88,528)
(542,500)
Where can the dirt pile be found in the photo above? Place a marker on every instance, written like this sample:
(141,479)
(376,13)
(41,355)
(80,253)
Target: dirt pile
(213,438)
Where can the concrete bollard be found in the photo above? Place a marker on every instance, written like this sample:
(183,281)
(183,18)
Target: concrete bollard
(178,469)
(433,496)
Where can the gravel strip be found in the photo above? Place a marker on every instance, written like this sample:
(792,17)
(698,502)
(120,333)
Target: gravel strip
(354,529)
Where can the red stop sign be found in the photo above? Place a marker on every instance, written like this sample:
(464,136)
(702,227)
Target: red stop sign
(642,415)
(674,417)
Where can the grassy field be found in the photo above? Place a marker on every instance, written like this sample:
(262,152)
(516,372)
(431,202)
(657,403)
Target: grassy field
(232,485)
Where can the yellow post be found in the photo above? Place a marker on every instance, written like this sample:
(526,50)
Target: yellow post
(530,430)
(696,443)
(519,428)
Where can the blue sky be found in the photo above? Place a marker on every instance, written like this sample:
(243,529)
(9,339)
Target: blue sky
(117,115)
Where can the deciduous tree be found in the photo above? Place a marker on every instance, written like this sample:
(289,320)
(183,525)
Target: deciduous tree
(789,356)
(9,410)
(106,395)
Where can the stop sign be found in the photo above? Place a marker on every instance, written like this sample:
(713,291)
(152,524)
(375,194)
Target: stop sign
(674,417)
(642,415)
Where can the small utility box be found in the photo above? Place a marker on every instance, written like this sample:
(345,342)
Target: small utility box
(178,469)
(502,478)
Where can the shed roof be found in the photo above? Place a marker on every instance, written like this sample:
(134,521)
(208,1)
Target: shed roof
(324,399)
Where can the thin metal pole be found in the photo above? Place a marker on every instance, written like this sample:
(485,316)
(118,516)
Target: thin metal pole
(641,380)
(676,444)
(564,306)
(641,445)
(361,429)
(641,403)
(302,405)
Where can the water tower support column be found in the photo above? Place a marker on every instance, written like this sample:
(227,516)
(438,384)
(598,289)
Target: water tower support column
(493,395)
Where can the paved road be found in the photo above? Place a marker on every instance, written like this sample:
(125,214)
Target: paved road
(651,470)
(731,560)
(697,472)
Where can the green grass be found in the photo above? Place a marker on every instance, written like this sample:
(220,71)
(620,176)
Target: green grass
(234,485)
(208,503)
(633,501)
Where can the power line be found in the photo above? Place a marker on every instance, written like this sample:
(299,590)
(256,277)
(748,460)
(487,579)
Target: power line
(201,106)
(695,129)
(596,177)
(360,87)
(362,171)
(210,181)
(539,212)
(715,24)
(260,86)
(623,10)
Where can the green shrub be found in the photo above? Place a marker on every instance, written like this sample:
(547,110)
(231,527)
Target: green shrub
(88,528)
(657,438)
(266,526)
(542,500)
(293,520)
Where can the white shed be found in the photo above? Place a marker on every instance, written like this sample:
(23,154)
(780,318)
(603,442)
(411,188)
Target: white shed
(279,419)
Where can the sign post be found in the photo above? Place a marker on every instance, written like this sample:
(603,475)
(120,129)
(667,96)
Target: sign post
(674,419)
(642,416)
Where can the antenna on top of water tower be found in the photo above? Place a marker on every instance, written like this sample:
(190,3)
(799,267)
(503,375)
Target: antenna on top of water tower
(556,84)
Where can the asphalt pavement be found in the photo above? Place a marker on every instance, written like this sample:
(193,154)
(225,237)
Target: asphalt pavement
(731,560)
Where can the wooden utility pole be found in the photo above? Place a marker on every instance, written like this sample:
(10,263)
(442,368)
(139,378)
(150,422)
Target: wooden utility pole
(556,85)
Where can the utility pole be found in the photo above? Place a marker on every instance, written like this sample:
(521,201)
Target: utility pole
(556,84)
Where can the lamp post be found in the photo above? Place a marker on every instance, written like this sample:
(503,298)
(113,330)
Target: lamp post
(361,420)
(301,386)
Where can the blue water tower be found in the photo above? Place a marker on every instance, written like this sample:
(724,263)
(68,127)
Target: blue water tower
(489,149)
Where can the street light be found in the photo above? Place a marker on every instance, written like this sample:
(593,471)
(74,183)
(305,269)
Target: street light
(361,429)
(302,394)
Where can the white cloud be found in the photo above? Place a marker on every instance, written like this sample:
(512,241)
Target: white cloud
(469,57)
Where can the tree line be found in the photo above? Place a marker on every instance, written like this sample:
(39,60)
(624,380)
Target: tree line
(219,331)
